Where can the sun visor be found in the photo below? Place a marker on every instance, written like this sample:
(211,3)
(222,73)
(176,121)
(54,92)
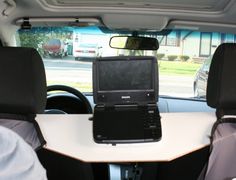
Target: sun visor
(74,22)
(135,22)
(202,26)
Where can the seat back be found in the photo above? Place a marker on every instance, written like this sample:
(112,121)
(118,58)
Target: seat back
(221,86)
(23,92)
(221,94)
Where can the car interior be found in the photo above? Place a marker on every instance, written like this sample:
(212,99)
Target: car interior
(56,80)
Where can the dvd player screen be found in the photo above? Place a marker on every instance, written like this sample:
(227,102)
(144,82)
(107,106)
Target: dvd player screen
(125,75)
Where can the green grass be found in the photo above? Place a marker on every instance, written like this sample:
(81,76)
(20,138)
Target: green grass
(178,68)
(83,87)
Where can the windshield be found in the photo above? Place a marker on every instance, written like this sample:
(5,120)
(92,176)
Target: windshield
(184,56)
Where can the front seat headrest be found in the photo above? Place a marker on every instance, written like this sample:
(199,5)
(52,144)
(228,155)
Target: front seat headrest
(221,86)
(22,81)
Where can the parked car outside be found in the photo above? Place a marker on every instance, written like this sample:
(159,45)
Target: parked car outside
(200,80)
(86,51)
(55,48)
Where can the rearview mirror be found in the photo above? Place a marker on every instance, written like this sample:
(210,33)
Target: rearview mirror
(134,43)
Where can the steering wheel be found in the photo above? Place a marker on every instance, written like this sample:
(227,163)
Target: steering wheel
(84,101)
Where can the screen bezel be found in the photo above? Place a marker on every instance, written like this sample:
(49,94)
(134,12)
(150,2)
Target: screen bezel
(116,96)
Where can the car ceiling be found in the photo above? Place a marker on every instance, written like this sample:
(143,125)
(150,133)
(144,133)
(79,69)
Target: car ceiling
(219,15)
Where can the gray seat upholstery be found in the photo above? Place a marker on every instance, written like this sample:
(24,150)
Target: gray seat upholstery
(23,92)
(18,161)
(221,94)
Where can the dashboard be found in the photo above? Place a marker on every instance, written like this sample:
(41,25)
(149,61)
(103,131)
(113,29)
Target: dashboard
(71,104)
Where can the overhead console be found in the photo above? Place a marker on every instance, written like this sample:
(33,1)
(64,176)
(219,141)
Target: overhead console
(135,22)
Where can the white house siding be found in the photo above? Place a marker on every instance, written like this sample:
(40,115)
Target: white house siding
(169,50)
(191,45)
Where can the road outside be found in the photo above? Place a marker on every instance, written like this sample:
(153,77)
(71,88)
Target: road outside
(68,70)
(177,86)
(80,72)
